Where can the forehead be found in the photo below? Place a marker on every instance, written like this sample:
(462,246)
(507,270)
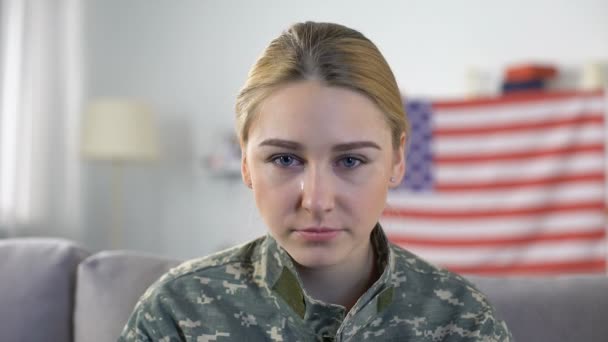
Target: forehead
(309,111)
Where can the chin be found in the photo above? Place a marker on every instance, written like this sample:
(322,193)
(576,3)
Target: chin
(314,258)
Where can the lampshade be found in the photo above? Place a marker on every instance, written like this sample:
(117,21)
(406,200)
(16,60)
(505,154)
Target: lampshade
(119,130)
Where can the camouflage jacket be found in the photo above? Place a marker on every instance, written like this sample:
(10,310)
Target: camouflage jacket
(252,292)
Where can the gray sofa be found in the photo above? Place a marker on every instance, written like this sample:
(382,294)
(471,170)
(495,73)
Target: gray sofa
(54,290)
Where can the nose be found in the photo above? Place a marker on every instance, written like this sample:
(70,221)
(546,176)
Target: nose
(318,196)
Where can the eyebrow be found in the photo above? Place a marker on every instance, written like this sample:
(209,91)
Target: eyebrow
(292,145)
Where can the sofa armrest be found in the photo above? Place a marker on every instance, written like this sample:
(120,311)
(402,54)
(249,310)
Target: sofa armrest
(564,308)
(37,288)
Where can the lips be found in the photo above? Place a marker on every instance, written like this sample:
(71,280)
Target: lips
(318,230)
(317,234)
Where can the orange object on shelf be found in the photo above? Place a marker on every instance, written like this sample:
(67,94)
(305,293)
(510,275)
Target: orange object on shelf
(529,72)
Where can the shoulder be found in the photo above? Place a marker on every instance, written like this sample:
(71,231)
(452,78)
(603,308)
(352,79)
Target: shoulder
(229,263)
(418,270)
(182,285)
(172,303)
(244,254)
(444,300)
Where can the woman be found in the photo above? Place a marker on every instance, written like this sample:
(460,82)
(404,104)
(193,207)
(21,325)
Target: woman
(322,132)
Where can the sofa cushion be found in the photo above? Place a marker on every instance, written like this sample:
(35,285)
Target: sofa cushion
(572,308)
(109,285)
(37,288)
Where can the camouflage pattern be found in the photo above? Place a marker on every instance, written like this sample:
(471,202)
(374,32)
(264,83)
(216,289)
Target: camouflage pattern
(252,292)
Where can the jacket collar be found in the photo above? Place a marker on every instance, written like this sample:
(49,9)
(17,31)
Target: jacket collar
(280,275)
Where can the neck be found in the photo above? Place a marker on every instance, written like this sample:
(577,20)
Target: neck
(341,284)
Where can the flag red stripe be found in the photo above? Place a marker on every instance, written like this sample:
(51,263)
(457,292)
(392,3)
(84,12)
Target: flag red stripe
(447,214)
(583,266)
(523,183)
(406,241)
(549,152)
(595,118)
(516,98)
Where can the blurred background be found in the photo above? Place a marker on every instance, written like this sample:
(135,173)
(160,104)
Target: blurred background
(177,66)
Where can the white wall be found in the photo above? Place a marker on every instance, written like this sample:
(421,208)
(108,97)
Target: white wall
(189,58)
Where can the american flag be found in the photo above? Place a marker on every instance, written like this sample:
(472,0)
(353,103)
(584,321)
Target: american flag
(513,185)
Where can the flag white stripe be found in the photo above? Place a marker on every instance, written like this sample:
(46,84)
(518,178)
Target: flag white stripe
(561,251)
(516,113)
(519,141)
(562,222)
(500,199)
(515,170)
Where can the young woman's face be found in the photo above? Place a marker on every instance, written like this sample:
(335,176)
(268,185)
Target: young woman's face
(320,162)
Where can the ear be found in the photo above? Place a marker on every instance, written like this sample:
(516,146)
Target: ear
(398,168)
(245,174)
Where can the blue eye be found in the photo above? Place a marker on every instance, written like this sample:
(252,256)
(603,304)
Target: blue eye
(350,162)
(285,160)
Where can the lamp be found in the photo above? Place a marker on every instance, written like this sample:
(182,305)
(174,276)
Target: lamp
(119,130)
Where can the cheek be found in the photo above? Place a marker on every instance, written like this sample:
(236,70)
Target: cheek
(267,177)
(368,190)
(372,194)
(273,191)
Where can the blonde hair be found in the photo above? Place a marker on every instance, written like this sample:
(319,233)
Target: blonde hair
(333,54)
